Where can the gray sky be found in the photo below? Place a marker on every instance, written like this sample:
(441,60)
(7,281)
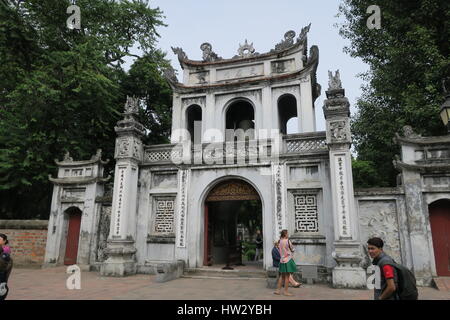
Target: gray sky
(225,24)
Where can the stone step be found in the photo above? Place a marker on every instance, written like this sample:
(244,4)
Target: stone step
(218,273)
(442,283)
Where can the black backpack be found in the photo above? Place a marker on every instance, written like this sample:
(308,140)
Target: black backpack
(407,289)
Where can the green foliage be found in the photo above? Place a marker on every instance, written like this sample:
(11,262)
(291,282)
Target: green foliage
(63,90)
(250,215)
(145,80)
(408,59)
(249,250)
(365,174)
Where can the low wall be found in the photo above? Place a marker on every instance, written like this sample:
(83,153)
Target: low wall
(27,239)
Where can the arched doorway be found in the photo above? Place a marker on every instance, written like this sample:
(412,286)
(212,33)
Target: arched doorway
(194,123)
(240,121)
(287,114)
(233,213)
(73,235)
(440,230)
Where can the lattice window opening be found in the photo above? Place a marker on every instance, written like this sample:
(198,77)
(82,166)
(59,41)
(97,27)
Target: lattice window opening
(305,145)
(306,213)
(163,155)
(164,216)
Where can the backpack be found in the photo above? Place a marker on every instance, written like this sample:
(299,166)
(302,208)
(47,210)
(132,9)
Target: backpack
(407,289)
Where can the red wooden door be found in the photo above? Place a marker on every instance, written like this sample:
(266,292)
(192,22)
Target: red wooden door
(73,236)
(440,230)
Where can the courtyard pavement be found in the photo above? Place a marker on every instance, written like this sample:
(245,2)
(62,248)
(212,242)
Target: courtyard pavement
(50,284)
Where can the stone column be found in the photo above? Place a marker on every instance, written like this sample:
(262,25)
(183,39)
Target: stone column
(347,246)
(128,154)
(306,109)
(418,225)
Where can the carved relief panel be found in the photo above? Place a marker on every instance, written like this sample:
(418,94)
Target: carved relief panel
(378,218)
(103,233)
(128,147)
(339,131)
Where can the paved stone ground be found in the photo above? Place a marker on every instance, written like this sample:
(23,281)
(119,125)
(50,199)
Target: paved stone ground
(44,284)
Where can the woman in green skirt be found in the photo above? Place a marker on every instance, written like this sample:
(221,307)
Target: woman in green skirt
(287,264)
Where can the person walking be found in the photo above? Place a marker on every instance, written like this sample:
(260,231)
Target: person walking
(5,266)
(276,263)
(388,274)
(259,245)
(287,264)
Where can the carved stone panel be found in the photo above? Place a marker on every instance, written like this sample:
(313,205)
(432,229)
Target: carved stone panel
(164,180)
(436,181)
(278,179)
(378,218)
(240,72)
(200,77)
(103,233)
(128,147)
(182,209)
(164,215)
(120,201)
(283,66)
(306,217)
(70,193)
(342,197)
(339,131)
(304,173)
(233,190)
(123,147)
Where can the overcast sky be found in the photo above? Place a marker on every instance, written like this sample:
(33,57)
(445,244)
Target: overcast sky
(227,23)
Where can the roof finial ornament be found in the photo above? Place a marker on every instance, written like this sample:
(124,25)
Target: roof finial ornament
(67,157)
(334,82)
(208,54)
(287,42)
(408,132)
(246,50)
(132,105)
(180,53)
(97,155)
(303,33)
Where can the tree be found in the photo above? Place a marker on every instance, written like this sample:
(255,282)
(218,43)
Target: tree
(408,60)
(250,215)
(63,90)
(145,80)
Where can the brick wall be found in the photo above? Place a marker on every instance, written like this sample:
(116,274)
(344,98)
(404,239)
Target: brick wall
(27,239)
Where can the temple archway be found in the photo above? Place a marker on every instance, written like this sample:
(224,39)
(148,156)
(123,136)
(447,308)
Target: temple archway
(233,213)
